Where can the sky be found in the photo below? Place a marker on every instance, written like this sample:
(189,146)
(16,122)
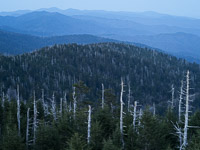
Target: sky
(189,8)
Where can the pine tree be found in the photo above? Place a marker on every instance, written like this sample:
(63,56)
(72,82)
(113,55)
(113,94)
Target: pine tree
(47,138)
(194,144)
(76,143)
(108,145)
(12,141)
(150,132)
(96,136)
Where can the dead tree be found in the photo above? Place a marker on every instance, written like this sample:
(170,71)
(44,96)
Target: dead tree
(70,106)
(34,118)
(183,134)
(172,100)
(186,109)
(102,99)
(43,104)
(129,96)
(140,117)
(179,133)
(53,107)
(27,128)
(154,109)
(121,111)
(134,114)
(180,102)
(61,106)
(74,101)
(3,99)
(89,124)
(65,102)
(18,110)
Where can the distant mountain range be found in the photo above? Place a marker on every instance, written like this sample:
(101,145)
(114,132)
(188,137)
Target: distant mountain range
(179,44)
(15,43)
(45,23)
(175,35)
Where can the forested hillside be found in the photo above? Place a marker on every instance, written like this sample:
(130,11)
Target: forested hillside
(55,69)
(100,96)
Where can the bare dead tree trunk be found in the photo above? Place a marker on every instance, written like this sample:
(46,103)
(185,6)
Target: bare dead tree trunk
(102,99)
(89,124)
(172,101)
(134,114)
(43,104)
(53,107)
(180,135)
(70,106)
(18,110)
(140,117)
(34,118)
(129,96)
(74,101)
(3,99)
(121,111)
(180,102)
(186,109)
(65,101)
(27,128)
(61,106)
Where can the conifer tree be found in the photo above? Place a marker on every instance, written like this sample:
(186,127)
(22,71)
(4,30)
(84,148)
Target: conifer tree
(108,145)
(76,143)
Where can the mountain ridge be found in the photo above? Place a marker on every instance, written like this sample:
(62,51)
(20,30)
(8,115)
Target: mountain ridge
(16,43)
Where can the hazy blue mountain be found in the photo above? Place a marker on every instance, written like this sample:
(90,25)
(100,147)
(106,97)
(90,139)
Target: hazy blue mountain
(15,43)
(48,24)
(180,44)
(148,17)
(14,13)
(130,27)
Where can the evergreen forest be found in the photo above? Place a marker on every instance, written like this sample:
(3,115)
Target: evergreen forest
(106,96)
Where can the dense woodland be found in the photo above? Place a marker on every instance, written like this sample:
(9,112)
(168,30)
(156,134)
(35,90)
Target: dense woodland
(71,97)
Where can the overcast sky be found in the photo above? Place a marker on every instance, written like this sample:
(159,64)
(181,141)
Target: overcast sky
(175,7)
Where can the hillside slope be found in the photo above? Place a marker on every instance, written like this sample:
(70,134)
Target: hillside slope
(57,68)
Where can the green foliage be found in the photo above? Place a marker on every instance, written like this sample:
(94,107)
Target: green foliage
(57,68)
(65,130)
(167,129)
(47,138)
(76,143)
(96,136)
(105,119)
(11,140)
(131,139)
(194,144)
(108,145)
(117,138)
(150,133)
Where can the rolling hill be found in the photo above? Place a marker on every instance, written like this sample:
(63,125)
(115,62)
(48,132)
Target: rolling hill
(15,43)
(56,68)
